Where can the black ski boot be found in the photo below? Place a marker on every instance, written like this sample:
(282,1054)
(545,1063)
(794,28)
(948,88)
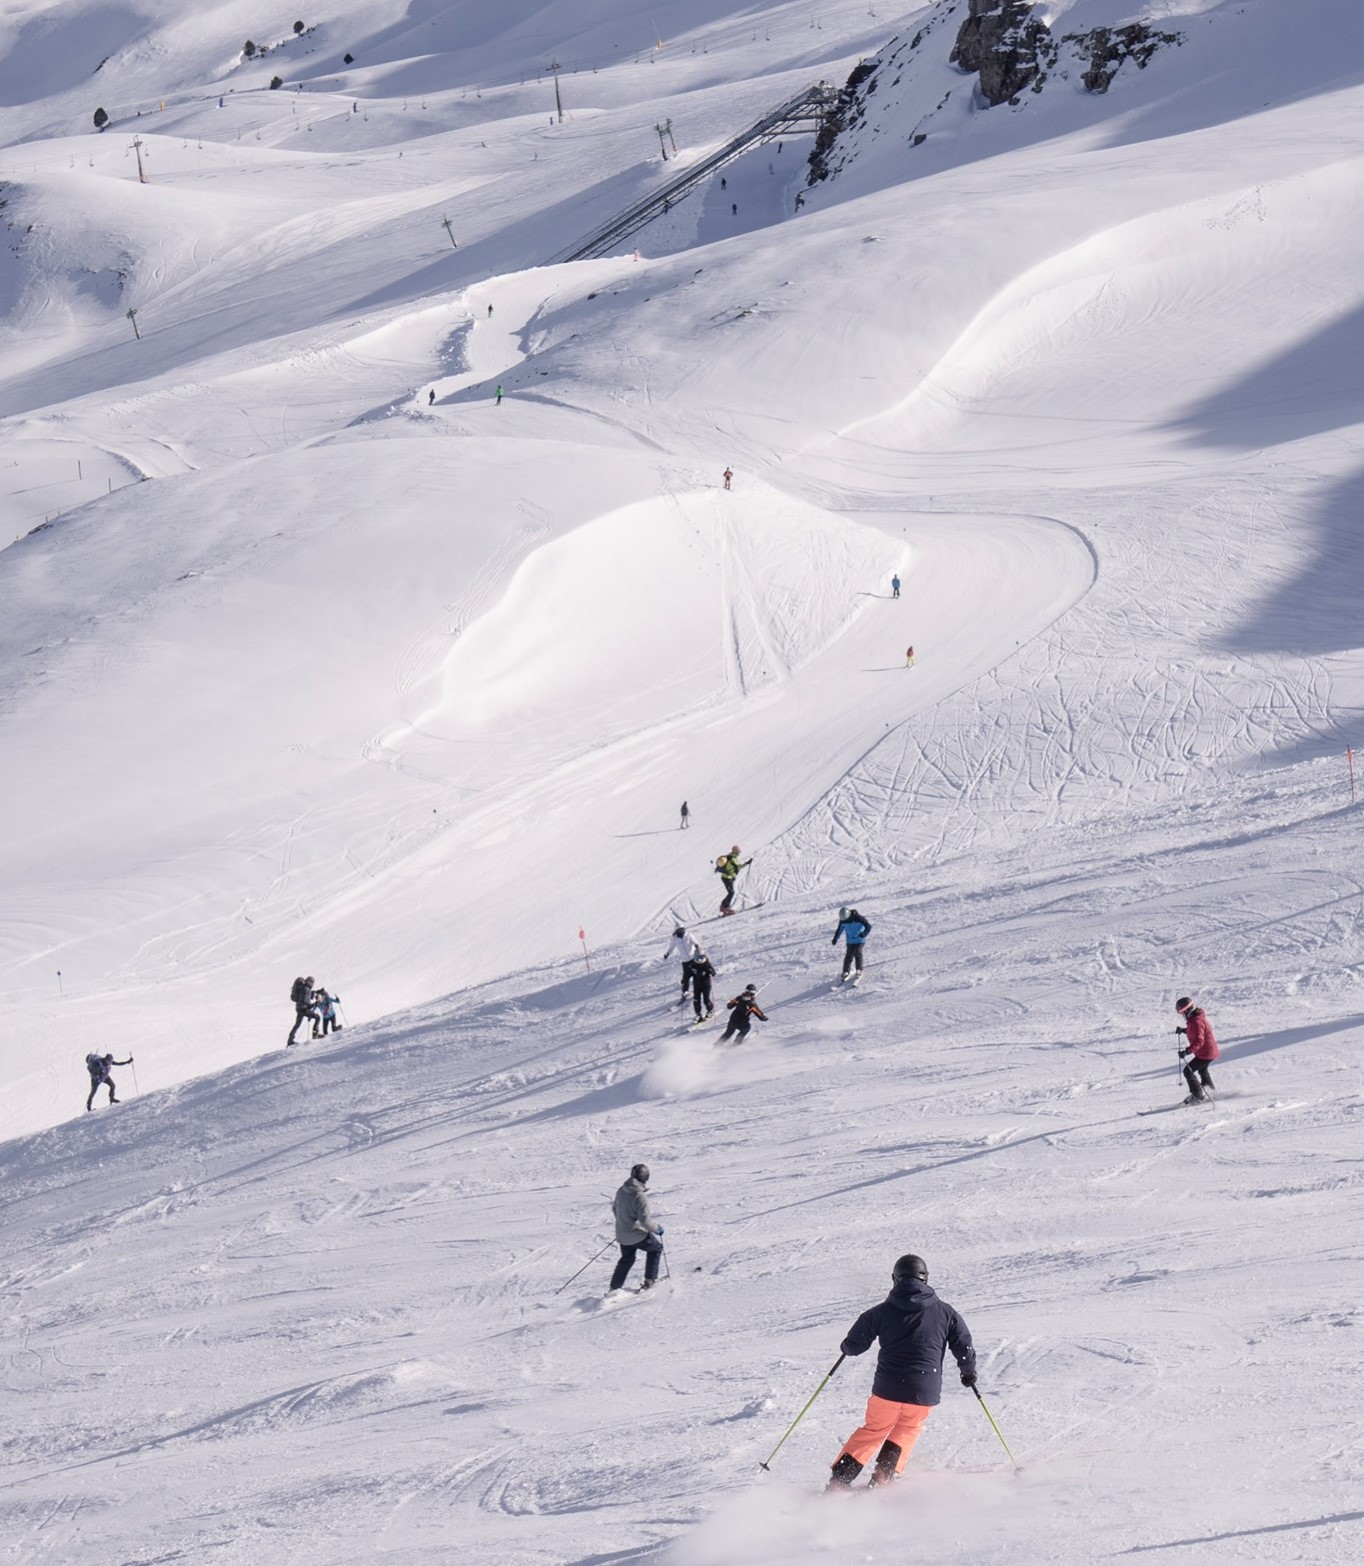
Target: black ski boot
(887,1460)
(844,1471)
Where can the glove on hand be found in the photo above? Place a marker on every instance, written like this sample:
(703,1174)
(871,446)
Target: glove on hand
(1183,1032)
(1183,1053)
(834,942)
(659,1231)
(968,1378)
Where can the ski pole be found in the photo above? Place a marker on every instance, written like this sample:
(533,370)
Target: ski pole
(803,1413)
(667,1270)
(581,1270)
(136,1089)
(996,1429)
(344,1018)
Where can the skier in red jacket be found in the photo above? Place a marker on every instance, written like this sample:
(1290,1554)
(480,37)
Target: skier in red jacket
(1201,1046)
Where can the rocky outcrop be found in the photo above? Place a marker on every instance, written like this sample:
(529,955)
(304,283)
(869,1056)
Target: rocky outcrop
(849,108)
(1107,48)
(1012,50)
(1007,46)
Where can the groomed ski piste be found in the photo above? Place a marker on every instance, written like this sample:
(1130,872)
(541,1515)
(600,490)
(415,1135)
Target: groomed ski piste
(318,660)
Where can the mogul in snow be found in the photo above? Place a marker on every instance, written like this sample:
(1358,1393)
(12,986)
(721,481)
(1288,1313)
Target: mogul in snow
(636,1230)
(854,930)
(98,1067)
(915,1329)
(727,867)
(742,1010)
(1200,1049)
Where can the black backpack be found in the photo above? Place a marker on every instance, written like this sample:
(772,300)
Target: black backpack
(299,994)
(94,1064)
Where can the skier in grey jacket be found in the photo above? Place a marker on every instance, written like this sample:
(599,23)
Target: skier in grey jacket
(636,1229)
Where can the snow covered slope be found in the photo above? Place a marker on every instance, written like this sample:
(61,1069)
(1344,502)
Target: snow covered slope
(319,655)
(306,1310)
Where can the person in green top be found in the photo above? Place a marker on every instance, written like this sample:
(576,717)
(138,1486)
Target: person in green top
(727,867)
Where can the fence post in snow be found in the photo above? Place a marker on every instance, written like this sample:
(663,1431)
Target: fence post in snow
(582,936)
(1350,757)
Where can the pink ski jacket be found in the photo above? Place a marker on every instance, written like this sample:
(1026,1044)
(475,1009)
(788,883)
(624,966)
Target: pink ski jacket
(1202,1044)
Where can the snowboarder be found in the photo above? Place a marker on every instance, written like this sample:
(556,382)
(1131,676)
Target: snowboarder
(915,1329)
(98,1067)
(909,658)
(636,1230)
(686,816)
(729,477)
(498,403)
(727,867)
(854,929)
(684,946)
(326,1011)
(895,586)
(1202,1046)
(702,972)
(742,1010)
(302,996)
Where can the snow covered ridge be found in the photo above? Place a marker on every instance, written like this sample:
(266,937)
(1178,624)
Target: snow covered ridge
(1009,47)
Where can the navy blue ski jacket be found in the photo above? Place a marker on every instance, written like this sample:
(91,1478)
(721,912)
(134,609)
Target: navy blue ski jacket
(916,1329)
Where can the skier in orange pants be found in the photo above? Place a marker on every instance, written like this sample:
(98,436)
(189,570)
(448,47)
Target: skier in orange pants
(915,1329)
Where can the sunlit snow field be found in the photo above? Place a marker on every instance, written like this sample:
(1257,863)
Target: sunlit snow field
(316,658)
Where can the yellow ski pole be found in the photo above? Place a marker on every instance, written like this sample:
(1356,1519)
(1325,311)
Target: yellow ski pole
(996,1429)
(802,1413)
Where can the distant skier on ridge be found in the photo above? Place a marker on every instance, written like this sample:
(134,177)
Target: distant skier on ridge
(98,1067)
(301,993)
(895,585)
(1202,1047)
(915,1329)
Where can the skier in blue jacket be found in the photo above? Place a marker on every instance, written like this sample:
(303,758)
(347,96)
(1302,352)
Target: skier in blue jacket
(854,930)
(915,1329)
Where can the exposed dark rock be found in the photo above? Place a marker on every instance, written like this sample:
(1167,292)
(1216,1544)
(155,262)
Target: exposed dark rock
(848,110)
(1008,47)
(1107,48)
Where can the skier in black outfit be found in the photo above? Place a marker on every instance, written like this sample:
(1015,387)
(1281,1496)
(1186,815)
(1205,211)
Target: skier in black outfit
(302,996)
(98,1067)
(915,1329)
(702,972)
(686,816)
(742,1009)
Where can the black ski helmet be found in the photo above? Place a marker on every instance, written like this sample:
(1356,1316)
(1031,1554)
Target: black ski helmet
(1183,1004)
(640,1172)
(750,989)
(910,1266)
(679,931)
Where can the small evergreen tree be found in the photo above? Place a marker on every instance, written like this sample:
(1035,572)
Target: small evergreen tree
(348,59)
(248,48)
(298,28)
(101,119)
(276,81)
